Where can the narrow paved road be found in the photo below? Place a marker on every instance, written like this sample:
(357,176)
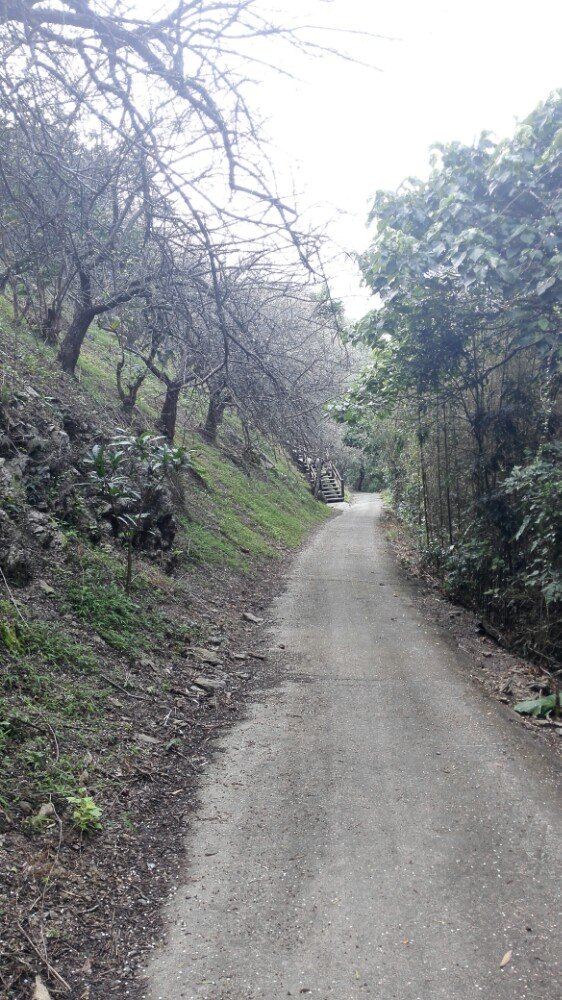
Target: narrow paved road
(377,827)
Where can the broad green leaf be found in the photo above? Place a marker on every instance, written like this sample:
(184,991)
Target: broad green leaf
(538,707)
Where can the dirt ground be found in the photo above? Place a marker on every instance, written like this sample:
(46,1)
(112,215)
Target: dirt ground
(505,676)
(79,910)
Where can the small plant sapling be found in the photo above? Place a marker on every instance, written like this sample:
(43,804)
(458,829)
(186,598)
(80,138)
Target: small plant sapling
(121,473)
(85,815)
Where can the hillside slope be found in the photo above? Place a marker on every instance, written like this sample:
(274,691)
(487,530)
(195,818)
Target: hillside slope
(108,700)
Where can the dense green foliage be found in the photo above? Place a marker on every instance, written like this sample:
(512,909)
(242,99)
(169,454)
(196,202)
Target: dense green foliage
(458,404)
(125,476)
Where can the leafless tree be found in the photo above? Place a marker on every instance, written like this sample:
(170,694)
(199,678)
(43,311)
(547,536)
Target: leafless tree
(158,209)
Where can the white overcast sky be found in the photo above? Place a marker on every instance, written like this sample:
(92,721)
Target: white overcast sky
(458,67)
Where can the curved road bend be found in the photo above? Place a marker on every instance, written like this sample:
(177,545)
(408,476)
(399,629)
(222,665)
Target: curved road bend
(376,828)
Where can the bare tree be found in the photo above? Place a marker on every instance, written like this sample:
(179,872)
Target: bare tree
(177,83)
(165,224)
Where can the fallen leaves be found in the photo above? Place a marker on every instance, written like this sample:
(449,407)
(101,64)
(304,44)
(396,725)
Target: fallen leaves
(506,959)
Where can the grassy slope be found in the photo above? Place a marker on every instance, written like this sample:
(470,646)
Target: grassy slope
(59,647)
(238,517)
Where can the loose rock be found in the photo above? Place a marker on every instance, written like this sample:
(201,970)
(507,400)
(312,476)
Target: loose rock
(209,683)
(249,617)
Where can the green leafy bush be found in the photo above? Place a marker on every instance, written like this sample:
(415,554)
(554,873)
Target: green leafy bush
(538,707)
(85,815)
(122,476)
(535,493)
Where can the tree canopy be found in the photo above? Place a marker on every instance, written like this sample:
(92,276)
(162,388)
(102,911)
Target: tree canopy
(463,372)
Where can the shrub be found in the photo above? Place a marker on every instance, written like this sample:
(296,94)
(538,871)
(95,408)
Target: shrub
(85,815)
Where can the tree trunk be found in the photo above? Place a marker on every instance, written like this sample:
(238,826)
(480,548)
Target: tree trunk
(249,453)
(318,478)
(439,478)
(129,569)
(215,413)
(361,477)
(71,345)
(15,304)
(447,477)
(169,414)
(424,482)
(51,327)
(128,393)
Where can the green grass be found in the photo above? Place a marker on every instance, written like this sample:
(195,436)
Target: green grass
(130,624)
(246,540)
(112,614)
(239,519)
(40,689)
(55,647)
(205,546)
(44,775)
(41,664)
(48,683)
(23,640)
(96,370)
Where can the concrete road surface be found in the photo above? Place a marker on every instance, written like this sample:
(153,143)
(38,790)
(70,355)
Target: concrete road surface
(377,827)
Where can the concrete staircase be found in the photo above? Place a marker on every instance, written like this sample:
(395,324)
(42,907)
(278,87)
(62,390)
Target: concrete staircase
(324,478)
(331,488)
